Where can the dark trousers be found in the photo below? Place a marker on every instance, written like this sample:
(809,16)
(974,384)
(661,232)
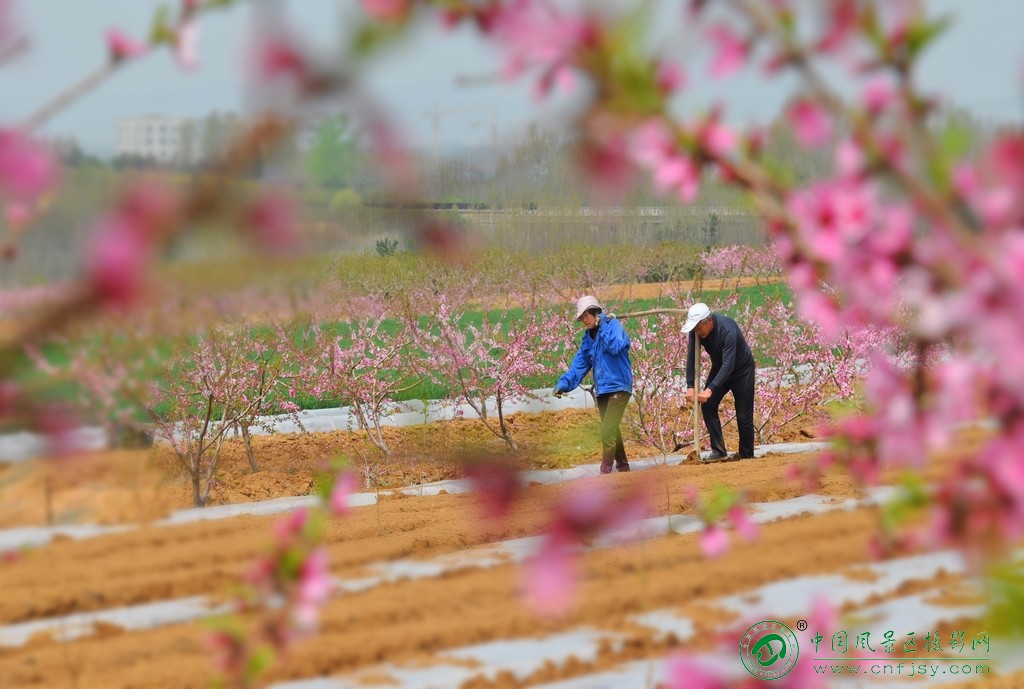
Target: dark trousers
(612,406)
(742,386)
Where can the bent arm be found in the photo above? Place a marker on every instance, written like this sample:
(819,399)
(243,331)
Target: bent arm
(613,336)
(579,368)
(728,360)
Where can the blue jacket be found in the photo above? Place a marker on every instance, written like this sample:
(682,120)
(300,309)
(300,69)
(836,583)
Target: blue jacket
(607,354)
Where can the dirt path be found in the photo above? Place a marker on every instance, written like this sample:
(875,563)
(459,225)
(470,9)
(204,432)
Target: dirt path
(653,290)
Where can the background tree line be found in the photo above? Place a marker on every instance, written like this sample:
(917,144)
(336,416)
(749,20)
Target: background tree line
(519,196)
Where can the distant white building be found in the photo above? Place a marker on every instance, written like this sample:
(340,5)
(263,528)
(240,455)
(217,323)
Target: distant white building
(152,136)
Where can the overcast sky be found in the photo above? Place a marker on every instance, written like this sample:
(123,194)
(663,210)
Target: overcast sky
(978,64)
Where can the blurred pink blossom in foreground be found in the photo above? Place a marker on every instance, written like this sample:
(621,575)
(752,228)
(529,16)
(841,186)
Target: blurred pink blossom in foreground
(345,484)
(27,169)
(812,125)
(122,46)
(551,576)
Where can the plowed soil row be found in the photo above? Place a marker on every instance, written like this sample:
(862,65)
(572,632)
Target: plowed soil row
(409,621)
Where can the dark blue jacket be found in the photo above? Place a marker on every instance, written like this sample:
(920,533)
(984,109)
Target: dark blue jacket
(607,354)
(729,352)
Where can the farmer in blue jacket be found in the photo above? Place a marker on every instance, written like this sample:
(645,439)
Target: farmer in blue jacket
(605,350)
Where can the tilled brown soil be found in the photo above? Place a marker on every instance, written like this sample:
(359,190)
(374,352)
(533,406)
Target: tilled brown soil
(407,621)
(133,486)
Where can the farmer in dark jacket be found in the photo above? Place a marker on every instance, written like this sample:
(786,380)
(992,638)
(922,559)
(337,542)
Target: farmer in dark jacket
(605,350)
(732,368)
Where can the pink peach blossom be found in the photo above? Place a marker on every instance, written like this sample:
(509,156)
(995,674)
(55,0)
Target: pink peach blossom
(17,215)
(538,36)
(850,159)
(550,578)
(670,77)
(714,541)
(6,23)
(496,483)
(387,10)
(278,57)
(717,138)
(314,586)
(608,164)
(123,47)
(679,173)
(842,17)
(730,51)
(811,123)
(228,651)
(741,521)
(271,219)
(149,206)
(877,96)
(287,529)
(551,575)
(345,484)
(965,179)
(117,261)
(27,169)
(186,45)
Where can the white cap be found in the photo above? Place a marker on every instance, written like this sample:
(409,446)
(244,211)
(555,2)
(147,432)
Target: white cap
(695,315)
(584,304)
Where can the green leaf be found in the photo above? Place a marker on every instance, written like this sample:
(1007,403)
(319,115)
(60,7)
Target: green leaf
(323,484)
(955,140)
(290,564)
(260,661)
(872,28)
(718,500)
(910,501)
(314,526)
(160,31)
(921,34)
(787,21)
(323,481)
(340,463)
(631,68)
(372,37)
(1004,596)
(229,624)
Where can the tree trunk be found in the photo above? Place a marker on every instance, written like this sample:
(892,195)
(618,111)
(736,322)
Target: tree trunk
(247,439)
(505,434)
(372,428)
(377,436)
(197,498)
